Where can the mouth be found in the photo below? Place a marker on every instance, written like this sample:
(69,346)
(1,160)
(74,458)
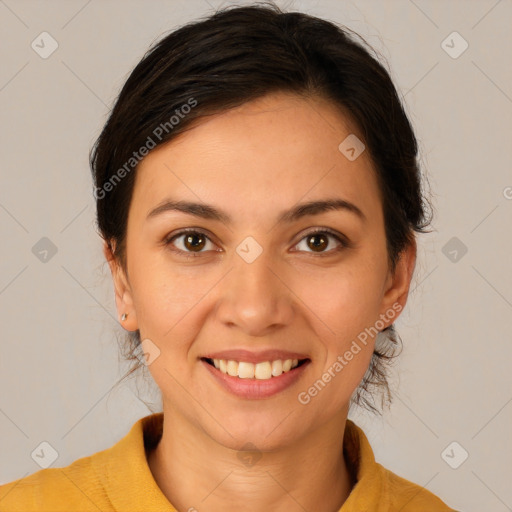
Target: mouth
(255,380)
(264,370)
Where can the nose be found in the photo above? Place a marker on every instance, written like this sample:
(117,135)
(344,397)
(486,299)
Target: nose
(254,297)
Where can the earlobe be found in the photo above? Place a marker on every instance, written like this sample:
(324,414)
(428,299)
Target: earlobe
(398,283)
(126,311)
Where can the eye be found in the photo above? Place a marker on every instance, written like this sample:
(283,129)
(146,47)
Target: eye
(193,242)
(319,239)
(189,242)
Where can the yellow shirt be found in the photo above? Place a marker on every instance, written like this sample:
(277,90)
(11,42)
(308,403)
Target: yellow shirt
(119,479)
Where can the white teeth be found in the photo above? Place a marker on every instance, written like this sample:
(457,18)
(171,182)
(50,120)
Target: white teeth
(261,371)
(277,368)
(245,370)
(232,368)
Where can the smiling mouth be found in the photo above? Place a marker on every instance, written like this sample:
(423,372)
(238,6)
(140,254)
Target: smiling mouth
(264,370)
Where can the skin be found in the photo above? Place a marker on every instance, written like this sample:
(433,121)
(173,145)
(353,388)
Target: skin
(253,162)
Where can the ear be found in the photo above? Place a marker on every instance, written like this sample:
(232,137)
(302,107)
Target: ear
(397,285)
(123,294)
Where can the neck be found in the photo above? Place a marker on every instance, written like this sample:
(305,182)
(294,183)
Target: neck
(195,472)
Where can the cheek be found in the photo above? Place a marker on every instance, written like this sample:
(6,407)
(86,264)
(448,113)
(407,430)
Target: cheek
(345,299)
(170,313)
(344,305)
(166,295)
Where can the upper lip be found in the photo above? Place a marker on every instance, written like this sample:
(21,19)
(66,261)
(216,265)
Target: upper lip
(254,357)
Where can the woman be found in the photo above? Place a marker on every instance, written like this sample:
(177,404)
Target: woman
(258,195)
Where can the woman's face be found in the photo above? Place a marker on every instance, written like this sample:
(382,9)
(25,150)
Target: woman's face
(256,285)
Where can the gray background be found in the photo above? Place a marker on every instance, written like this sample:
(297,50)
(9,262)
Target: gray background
(59,357)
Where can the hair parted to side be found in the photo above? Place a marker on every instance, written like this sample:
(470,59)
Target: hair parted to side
(237,55)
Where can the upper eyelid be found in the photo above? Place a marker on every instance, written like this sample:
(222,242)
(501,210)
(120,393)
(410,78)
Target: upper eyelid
(185,231)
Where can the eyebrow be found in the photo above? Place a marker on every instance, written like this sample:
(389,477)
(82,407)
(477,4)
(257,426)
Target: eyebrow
(299,211)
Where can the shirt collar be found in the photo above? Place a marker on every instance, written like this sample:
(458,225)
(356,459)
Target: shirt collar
(125,472)
(370,492)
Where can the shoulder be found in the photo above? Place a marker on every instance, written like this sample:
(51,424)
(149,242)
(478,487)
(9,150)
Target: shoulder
(116,478)
(57,489)
(379,488)
(407,496)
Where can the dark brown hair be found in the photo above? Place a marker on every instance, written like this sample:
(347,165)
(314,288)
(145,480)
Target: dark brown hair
(234,56)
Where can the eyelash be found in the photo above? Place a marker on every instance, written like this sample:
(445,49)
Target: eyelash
(344,243)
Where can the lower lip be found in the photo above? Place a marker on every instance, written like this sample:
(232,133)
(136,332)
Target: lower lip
(255,388)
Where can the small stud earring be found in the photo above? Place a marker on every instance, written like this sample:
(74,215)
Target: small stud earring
(123,318)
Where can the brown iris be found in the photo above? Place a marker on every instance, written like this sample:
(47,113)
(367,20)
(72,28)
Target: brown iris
(190,241)
(318,246)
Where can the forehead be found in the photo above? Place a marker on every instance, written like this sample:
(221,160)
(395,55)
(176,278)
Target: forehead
(266,154)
